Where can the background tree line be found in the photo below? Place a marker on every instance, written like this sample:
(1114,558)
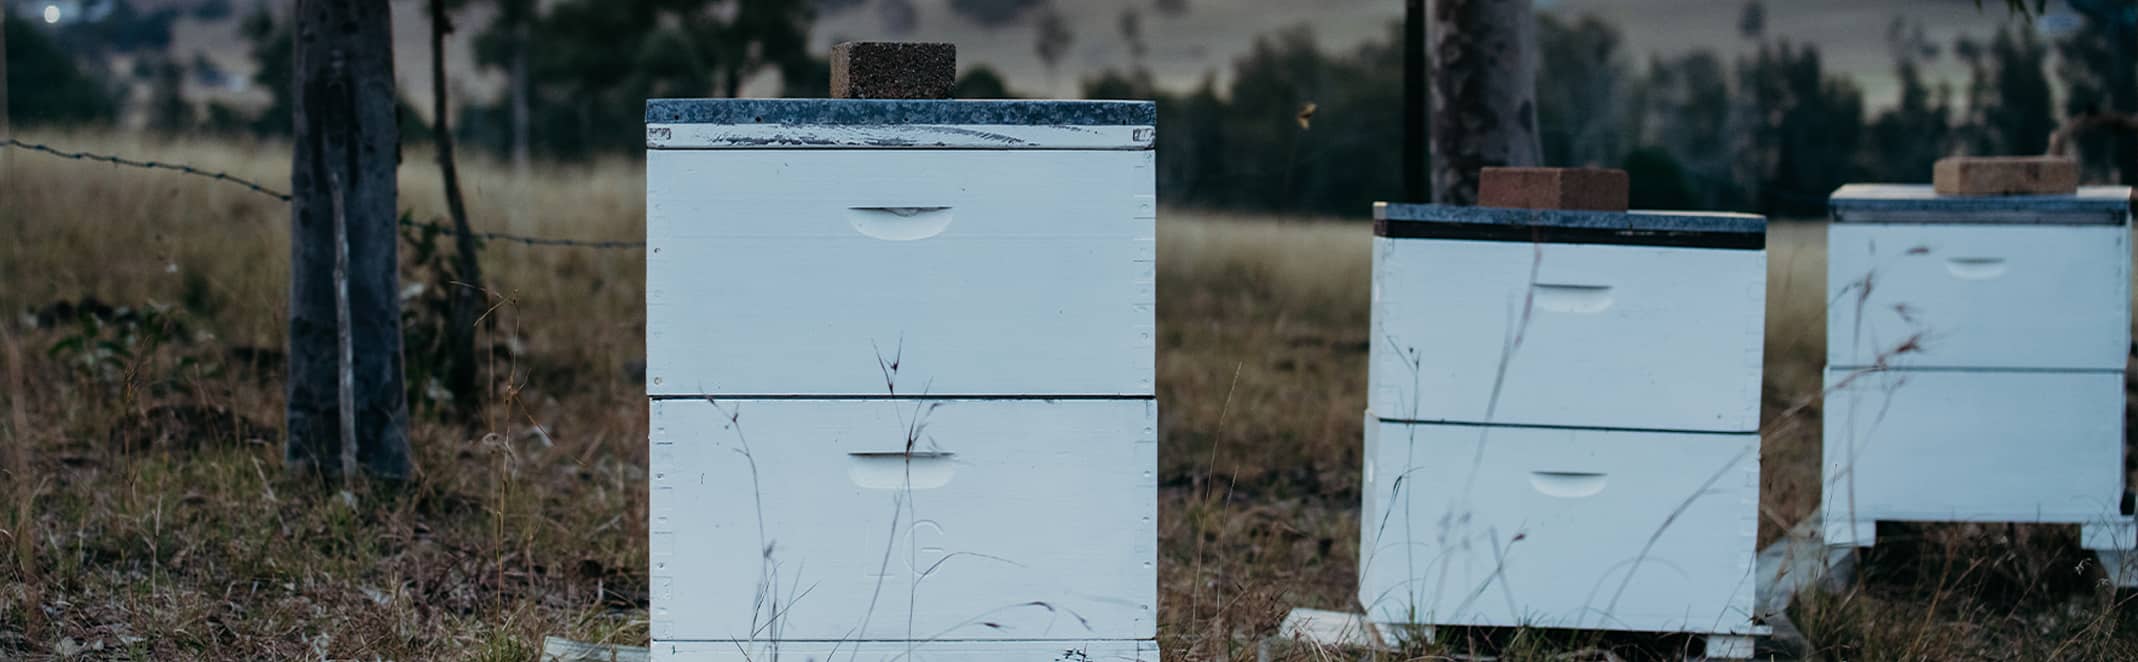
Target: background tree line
(1295,128)
(1299,129)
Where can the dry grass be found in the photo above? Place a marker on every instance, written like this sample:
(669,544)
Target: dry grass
(150,517)
(154,520)
(1262,376)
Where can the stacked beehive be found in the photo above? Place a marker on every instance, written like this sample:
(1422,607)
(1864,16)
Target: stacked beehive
(1564,415)
(1976,345)
(900,360)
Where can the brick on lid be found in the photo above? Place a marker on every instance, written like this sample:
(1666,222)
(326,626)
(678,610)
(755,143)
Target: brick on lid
(2005,175)
(893,70)
(1585,189)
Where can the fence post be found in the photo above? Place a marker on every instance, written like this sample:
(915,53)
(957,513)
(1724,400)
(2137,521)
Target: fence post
(468,295)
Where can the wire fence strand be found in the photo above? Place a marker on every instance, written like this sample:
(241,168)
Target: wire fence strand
(256,187)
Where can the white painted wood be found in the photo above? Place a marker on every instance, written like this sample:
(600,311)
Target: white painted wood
(1800,561)
(899,651)
(1844,532)
(1335,629)
(1972,447)
(1614,336)
(2120,566)
(1921,203)
(899,136)
(782,272)
(1013,520)
(559,649)
(1586,529)
(2118,533)
(1905,192)
(1979,296)
(1721,647)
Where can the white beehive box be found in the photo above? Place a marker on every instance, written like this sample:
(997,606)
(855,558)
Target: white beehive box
(1975,357)
(799,247)
(1564,420)
(1559,527)
(900,357)
(1622,322)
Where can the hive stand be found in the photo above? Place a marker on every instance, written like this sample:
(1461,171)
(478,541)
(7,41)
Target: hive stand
(1976,355)
(900,364)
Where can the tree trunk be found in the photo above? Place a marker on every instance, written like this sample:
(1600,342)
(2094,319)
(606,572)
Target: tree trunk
(468,294)
(347,149)
(1483,56)
(7,156)
(4,130)
(2121,82)
(2123,96)
(1414,104)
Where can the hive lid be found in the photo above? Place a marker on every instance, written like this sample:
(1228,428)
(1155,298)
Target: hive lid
(1638,228)
(899,124)
(1919,203)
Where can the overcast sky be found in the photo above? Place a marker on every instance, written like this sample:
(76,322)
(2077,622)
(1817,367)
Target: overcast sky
(1850,33)
(1212,33)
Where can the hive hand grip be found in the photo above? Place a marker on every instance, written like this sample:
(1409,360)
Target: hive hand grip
(1975,268)
(891,470)
(1570,298)
(894,223)
(1567,484)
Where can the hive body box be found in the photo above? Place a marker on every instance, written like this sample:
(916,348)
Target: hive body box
(1975,357)
(900,361)
(1564,420)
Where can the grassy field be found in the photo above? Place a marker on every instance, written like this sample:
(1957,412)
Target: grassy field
(144,512)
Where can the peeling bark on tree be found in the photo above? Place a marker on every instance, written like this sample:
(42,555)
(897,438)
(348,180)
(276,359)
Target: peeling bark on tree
(1484,112)
(347,150)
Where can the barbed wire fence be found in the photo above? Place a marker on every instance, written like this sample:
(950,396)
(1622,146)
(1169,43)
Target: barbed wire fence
(11,142)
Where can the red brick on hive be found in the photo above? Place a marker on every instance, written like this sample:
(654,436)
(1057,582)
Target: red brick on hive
(1585,189)
(2005,175)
